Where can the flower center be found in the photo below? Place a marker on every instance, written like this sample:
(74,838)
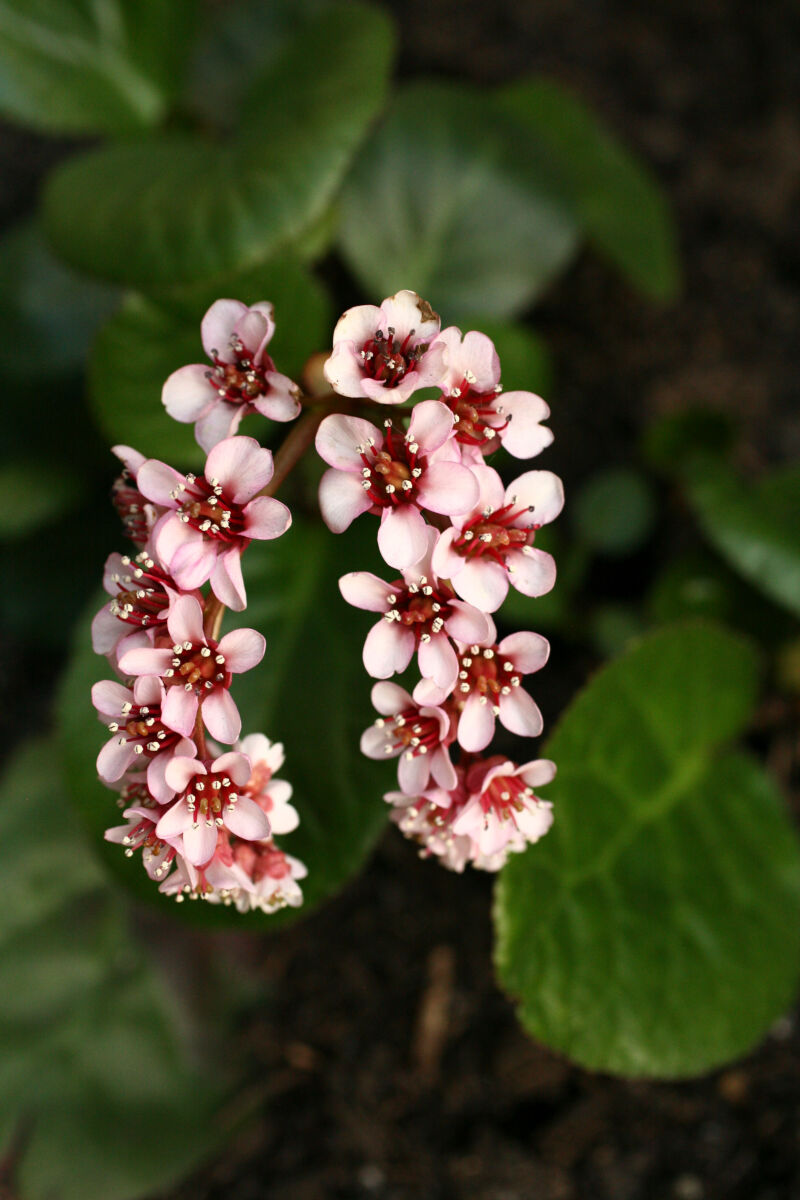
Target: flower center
(410,731)
(388,359)
(198,668)
(129,505)
(421,607)
(142,725)
(207,795)
(482,672)
(493,534)
(478,419)
(505,795)
(240,381)
(205,507)
(390,474)
(141,595)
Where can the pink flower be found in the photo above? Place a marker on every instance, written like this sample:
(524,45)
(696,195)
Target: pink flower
(197,670)
(140,731)
(143,593)
(243,378)
(502,810)
(142,813)
(210,797)
(271,794)
(492,546)
(490,686)
(395,477)
(386,353)
(137,516)
(419,613)
(418,734)
(211,518)
(483,416)
(255,875)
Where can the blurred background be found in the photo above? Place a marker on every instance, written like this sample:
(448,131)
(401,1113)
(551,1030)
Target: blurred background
(381,1058)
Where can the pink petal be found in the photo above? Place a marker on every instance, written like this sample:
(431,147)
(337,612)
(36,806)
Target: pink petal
(362,589)
(174,820)
(480,357)
(227,582)
(388,649)
(109,697)
(145,662)
(528,651)
(535,821)
(234,764)
(200,843)
(221,716)
(531,571)
(218,324)
(265,518)
(106,631)
(482,583)
(357,324)
(157,481)
(188,392)
(524,437)
(402,537)
(407,311)
(341,499)
(437,661)
(280,403)
(192,563)
(413,773)
(218,423)
(242,649)
(253,330)
(491,492)
(156,778)
(339,438)
(247,820)
(443,770)
(179,710)
(538,773)
(475,725)
(447,487)
(185,621)
(181,770)
(115,758)
(344,370)
(390,699)
(373,744)
(431,425)
(541,492)
(169,534)
(519,714)
(241,466)
(466,623)
(444,561)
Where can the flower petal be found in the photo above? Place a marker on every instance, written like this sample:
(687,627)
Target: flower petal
(431,425)
(388,649)
(185,621)
(447,487)
(221,716)
(476,724)
(339,438)
(247,820)
(362,589)
(200,842)
(541,492)
(265,518)
(519,714)
(390,699)
(482,583)
(227,582)
(437,661)
(532,572)
(402,537)
(157,482)
(179,710)
(341,499)
(218,324)
(241,466)
(524,437)
(188,392)
(242,649)
(466,623)
(218,423)
(528,651)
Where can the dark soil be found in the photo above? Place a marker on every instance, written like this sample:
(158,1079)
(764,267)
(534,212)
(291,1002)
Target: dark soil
(385,1061)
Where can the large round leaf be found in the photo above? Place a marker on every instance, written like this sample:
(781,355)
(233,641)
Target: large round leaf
(79,66)
(180,209)
(444,200)
(655,930)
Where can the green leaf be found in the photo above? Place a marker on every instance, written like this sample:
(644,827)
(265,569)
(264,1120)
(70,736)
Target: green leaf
(91,1062)
(49,313)
(614,511)
(616,199)
(147,340)
(41,493)
(310,692)
(178,210)
(440,201)
(654,931)
(79,66)
(754,526)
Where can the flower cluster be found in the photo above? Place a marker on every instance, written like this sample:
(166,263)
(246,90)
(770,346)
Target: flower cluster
(203,815)
(459,538)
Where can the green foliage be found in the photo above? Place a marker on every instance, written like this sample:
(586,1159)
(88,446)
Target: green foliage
(40,495)
(179,209)
(93,1073)
(754,526)
(82,66)
(310,692)
(442,201)
(149,339)
(655,932)
(615,199)
(614,511)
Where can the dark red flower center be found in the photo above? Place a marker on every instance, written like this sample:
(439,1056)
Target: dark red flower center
(409,730)
(420,607)
(483,670)
(129,504)
(504,795)
(479,419)
(242,380)
(142,725)
(204,506)
(389,359)
(199,668)
(493,535)
(142,594)
(207,795)
(390,474)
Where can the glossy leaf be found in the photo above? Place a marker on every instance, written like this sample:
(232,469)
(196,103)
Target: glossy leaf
(310,692)
(78,66)
(441,201)
(91,1063)
(139,348)
(617,201)
(179,210)
(655,931)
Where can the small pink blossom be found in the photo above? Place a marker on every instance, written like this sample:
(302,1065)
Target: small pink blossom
(491,686)
(142,813)
(420,613)
(242,379)
(502,808)
(418,734)
(255,875)
(197,670)
(386,353)
(491,546)
(211,518)
(484,415)
(209,797)
(142,594)
(395,476)
(271,794)
(137,515)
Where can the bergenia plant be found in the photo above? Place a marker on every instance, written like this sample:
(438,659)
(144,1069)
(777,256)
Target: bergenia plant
(205,814)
